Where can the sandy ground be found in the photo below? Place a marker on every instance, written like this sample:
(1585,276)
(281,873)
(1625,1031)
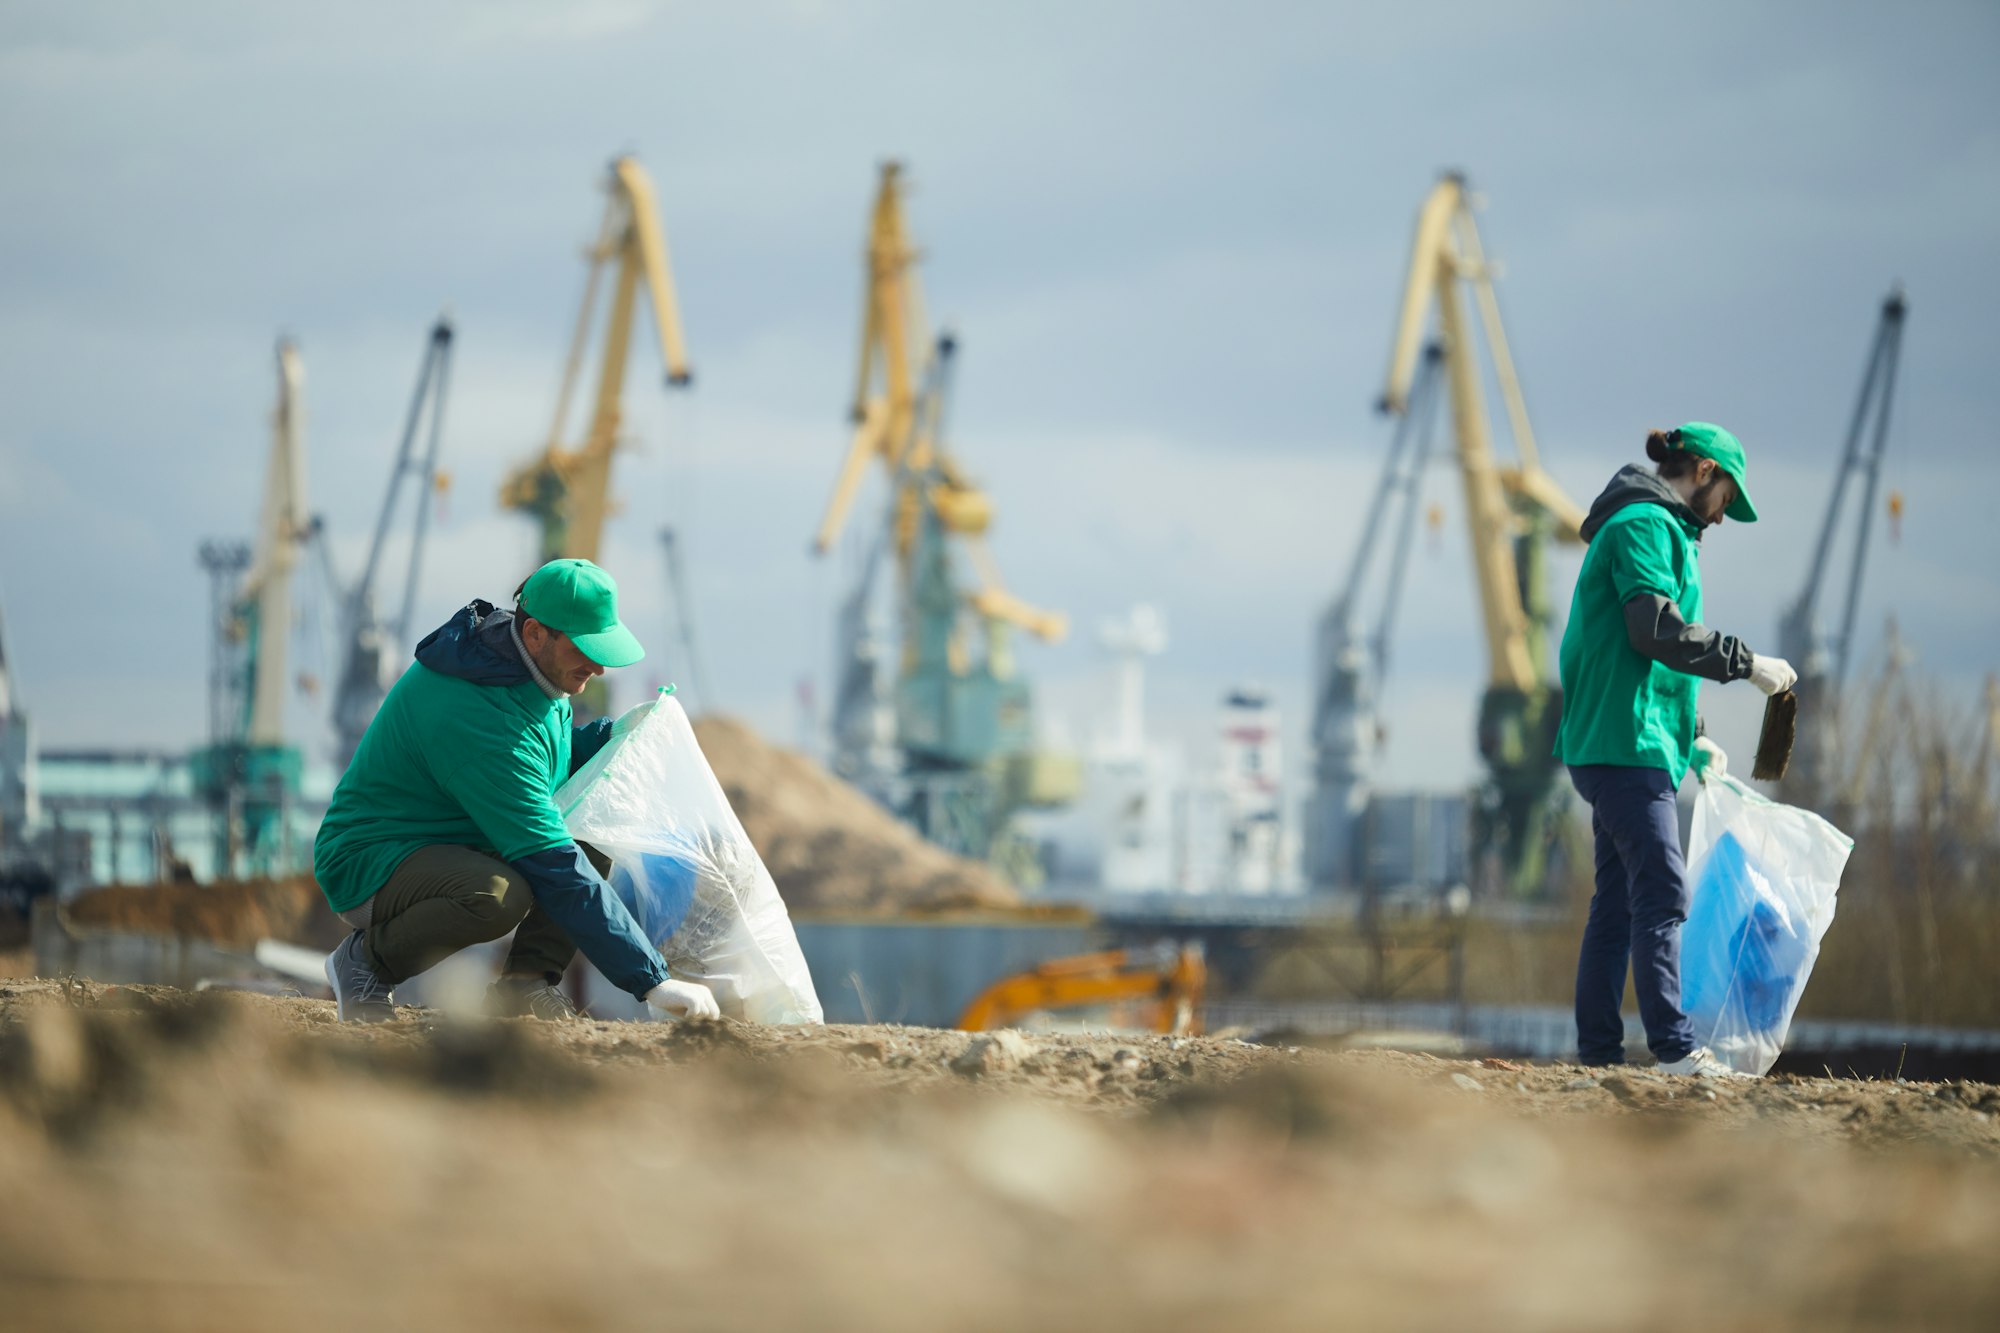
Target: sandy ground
(219,1161)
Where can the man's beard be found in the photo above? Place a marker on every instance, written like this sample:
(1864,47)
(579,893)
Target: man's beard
(551,667)
(1703,495)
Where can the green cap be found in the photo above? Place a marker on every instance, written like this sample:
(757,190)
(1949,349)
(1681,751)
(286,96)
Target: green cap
(581,600)
(1705,440)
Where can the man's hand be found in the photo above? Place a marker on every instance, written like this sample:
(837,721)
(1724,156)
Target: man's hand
(683,999)
(1708,760)
(1773,675)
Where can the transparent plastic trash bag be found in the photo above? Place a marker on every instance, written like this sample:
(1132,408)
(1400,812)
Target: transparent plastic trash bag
(685,868)
(1764,877)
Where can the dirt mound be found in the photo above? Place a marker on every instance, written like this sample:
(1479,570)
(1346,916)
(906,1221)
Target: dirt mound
(829,847)
(234,913)
(208,1161)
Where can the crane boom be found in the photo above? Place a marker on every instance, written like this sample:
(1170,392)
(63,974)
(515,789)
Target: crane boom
(1511,513)
(1862,456)
(903,428)
(366,638)
(1348,680)
(266,595)
(568,490)
(1446,252)
(1822,660)
(963,757)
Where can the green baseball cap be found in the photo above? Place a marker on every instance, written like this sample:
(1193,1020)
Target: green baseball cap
(581,600)
(1705,440)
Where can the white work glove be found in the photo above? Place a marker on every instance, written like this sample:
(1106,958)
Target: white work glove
(1708,760)
(683,999)
(1773,675)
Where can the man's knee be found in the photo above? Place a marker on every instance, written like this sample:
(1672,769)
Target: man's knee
(498,902)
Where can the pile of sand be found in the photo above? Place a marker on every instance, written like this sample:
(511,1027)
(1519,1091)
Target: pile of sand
(232,913)
(829,847)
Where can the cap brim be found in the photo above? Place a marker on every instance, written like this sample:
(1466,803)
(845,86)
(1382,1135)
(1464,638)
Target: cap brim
(1740,509)
(614,647)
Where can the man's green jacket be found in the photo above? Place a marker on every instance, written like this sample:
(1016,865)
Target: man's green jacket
(468,750)
(1634,650)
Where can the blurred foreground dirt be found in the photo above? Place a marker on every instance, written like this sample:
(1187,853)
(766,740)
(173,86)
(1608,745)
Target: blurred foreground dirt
(219,1161)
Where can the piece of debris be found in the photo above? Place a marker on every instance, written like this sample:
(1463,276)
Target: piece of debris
(992,1053)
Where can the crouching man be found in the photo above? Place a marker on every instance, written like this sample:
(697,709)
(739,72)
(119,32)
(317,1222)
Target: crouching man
(443,832)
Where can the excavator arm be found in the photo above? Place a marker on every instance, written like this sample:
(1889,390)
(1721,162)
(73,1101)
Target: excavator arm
(1171,985)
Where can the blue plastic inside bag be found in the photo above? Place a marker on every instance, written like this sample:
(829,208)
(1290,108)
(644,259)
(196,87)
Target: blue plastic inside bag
(658,889)
(1742,956)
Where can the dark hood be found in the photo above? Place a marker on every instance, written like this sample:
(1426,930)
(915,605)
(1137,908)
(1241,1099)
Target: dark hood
(475,645)
(1636,485)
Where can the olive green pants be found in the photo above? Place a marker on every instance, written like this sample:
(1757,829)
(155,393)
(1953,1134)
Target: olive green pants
(443,899)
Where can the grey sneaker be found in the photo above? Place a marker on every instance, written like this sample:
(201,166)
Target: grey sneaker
(1701,1063)
(529,997)
(362,996)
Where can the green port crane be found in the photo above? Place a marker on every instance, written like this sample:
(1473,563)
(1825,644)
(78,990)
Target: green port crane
(1513,514)
(963,756)
(248,772)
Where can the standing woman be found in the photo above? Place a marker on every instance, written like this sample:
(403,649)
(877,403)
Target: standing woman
(1633,657)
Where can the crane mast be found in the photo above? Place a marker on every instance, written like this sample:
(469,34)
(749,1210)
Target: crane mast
(247,773)
(366,638)
(896,355)
(265,601)
(567,489)
(1821,658)
(962,716)
(1512,514)
(1350,669)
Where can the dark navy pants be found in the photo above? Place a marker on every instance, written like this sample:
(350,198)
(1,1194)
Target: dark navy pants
(1635,915)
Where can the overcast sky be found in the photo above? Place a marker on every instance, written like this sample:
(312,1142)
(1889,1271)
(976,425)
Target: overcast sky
(1172,238)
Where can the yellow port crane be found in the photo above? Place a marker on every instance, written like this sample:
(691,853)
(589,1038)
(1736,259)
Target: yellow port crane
(1512,512)
(953,750)
(896,350)
(568,489)
(247,772)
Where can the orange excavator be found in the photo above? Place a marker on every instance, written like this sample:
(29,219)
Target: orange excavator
(1156,989)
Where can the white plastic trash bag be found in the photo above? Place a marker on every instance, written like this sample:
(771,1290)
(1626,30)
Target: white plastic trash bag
(686,869)
(1764,877)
